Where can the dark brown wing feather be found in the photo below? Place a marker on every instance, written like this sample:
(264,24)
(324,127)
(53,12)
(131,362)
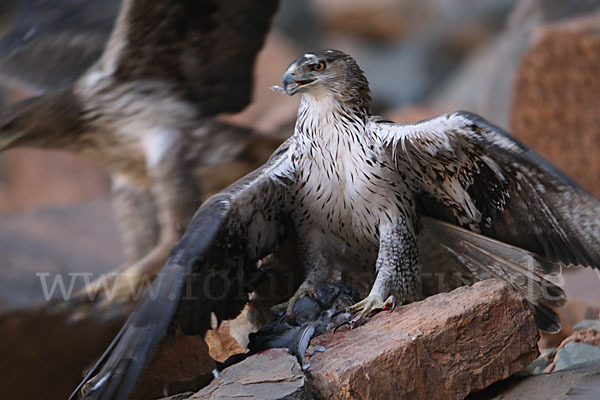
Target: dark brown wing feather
(520,217)
(52,43)
(470,173)
(220,249)
(198,45)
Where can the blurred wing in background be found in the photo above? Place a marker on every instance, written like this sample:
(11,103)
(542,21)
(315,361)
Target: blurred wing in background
(197,47)
(229,234)
(54,42)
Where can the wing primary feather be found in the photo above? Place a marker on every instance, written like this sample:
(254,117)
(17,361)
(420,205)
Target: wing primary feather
(221,232)
(468,172)
(94,369)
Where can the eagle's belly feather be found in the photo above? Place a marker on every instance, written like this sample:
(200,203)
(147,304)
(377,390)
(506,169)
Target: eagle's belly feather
(342,196)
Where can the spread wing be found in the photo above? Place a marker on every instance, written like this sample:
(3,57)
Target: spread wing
(468,172)
(228,235)
(52,43)
(195,45)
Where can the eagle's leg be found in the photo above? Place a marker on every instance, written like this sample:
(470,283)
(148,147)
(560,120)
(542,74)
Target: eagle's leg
(135,215)
(151,224)
(397,272)
(317,272)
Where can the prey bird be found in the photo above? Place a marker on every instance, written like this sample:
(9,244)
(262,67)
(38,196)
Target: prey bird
(144,109)
(314,315)
(366,197)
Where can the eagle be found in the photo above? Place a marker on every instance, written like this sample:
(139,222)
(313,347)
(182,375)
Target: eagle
(363,195)
(143,107)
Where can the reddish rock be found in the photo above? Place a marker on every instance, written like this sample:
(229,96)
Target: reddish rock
(181,363)
(378,19)
(573,312)
(44,355)
(589,336)
(441,348)
(411,114)
(68,243)
(557,97)
(31,178)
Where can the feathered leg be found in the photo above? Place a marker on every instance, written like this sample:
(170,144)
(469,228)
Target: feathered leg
(397,271)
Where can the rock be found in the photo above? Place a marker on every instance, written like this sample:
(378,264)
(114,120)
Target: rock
(577,383)
(593,324)
(583,285)
(271,375)
(440,348)
(573,312)
(589,336)
(539,364)
(557,96)
(180,396)
(32,178)
(585,336)
(43,352)
(181,363)
(40,248)
(575,353)
(484,83)
(411,114)
(376,19)
(387,20)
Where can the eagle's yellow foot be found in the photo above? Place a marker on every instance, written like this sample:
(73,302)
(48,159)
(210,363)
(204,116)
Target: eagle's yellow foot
(111,294)
(368,306)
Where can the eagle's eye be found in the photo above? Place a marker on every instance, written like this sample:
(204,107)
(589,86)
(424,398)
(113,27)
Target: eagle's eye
(318,67)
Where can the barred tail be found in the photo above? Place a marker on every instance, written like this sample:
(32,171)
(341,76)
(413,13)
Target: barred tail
(484,258)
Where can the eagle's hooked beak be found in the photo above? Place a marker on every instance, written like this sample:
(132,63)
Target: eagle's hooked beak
(293,81)
(8,139)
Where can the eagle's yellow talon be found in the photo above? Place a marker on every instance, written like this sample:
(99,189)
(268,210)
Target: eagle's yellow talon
(369,306)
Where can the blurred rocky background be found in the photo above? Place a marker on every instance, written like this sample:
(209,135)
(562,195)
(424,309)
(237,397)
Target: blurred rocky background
(529,66)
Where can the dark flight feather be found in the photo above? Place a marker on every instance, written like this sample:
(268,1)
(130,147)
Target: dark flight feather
(232,217)
(509,193)
(52,43)
(175,40)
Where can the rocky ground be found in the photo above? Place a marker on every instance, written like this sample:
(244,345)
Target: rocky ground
(529,66)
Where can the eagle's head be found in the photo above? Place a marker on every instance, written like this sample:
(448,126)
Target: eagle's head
(328,72)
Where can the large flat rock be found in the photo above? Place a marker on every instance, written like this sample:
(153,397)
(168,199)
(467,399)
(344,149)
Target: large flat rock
(271,375)
(579,383)
(441,348)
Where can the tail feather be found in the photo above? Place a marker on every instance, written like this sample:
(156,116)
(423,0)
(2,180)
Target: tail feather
(484,258)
